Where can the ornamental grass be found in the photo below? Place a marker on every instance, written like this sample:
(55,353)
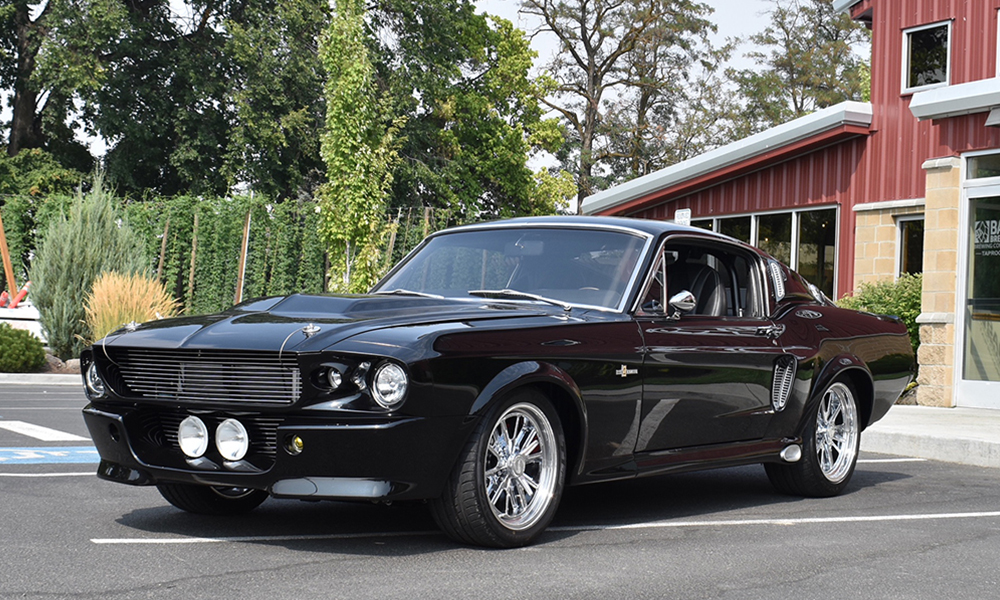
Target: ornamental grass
(117,299)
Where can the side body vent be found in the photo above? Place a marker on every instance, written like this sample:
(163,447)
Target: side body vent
(781,386)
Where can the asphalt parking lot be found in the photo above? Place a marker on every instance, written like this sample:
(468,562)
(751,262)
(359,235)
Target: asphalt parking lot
(906,528)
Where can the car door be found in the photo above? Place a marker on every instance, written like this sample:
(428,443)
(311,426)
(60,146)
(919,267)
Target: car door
(707,373)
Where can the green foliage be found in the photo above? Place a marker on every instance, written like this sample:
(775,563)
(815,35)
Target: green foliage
(285,254)
(77,247)
(808,62)
(901,298)
(20,351)
(461,79)
(278,99)
(36,173)
(359,147)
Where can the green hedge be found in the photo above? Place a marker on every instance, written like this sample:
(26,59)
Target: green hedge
(900,298)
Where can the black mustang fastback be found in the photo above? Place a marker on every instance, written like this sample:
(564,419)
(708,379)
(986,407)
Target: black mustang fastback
(494,365)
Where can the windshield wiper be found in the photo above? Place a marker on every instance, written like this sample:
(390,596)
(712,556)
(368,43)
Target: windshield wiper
(402,292)
(508,294)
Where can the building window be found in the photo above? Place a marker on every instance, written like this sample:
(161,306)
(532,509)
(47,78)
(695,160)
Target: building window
(774,236)
(817,247)
(985,165)
(736,227)
(911,245)
(926,53)
(806,240)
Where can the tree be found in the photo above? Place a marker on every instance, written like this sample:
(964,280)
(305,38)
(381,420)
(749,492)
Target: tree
(193,96)
(616,56)
(810,61)
(359,146)
(45,61)
(277,94)
(461,78)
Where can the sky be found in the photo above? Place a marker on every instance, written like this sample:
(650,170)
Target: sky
(734,18)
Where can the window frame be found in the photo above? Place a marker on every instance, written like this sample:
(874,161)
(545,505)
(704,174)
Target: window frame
(905,58)
(901,220)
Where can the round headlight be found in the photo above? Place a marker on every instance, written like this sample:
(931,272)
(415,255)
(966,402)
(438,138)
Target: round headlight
(389,385)
(95,385)
(192,435)
(232,439)
(334,377)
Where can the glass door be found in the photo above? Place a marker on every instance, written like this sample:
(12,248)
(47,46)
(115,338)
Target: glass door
(979,314)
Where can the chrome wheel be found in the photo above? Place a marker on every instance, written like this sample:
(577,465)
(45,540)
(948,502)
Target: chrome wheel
(521,469)
(830,441)
(837,433)
(505,487)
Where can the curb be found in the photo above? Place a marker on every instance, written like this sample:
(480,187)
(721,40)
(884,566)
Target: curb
(978,453)
(41,379)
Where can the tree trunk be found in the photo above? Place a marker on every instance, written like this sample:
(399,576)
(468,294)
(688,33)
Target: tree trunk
(25,129)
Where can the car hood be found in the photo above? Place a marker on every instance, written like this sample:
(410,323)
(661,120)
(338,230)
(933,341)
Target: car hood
(308,323)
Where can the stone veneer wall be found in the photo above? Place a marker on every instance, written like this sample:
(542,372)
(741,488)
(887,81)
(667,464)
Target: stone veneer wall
(937,319)
(877,238)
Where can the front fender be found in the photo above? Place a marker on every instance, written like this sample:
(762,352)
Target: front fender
(561,389)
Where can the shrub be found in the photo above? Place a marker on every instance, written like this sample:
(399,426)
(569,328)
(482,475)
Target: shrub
(117,299)
(20,351)
(900,298)
(75,249)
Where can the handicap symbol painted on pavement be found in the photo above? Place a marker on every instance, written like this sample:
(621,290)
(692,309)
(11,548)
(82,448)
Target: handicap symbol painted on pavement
(49,455)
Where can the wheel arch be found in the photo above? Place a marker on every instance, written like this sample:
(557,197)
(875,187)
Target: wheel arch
(556,385)
(852,369)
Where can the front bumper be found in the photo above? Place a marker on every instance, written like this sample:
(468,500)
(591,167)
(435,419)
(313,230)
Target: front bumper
(344,458)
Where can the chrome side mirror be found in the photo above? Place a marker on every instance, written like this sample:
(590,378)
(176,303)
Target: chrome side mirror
(682,303)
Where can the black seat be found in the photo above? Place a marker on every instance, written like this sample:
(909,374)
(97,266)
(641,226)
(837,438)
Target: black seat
(709,292)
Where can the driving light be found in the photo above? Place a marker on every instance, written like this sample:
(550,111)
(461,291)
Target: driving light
(232,439)
(95,385)
(192,436)
(294,445)
(389,385)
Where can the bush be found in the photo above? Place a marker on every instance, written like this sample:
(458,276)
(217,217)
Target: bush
(900,298)
(117,299)
(20,351)
(75,249)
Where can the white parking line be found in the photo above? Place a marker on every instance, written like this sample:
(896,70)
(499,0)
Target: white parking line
(88,473)
(41,433)
(569,528)
(890,460)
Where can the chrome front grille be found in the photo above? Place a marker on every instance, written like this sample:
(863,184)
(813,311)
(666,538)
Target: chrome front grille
(209,375)
(784,377)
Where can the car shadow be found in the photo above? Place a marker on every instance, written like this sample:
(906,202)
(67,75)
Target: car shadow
(403,529)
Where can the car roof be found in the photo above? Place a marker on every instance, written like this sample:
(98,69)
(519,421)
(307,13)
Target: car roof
(641,226)
(645,226)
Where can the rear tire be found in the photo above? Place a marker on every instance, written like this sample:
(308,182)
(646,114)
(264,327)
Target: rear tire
(208,500)
(507,483)
(829,447)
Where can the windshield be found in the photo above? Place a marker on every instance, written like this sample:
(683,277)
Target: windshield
(583,267)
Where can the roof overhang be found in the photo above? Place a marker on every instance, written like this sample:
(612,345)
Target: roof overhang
(844,5)
(956,100)
(805,134)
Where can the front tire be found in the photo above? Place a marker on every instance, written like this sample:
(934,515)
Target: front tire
(829,449)
(207,500)
(506,486)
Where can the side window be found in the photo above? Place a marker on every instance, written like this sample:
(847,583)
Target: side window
(721,279)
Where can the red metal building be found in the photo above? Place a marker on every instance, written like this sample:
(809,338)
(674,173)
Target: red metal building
(860,192)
